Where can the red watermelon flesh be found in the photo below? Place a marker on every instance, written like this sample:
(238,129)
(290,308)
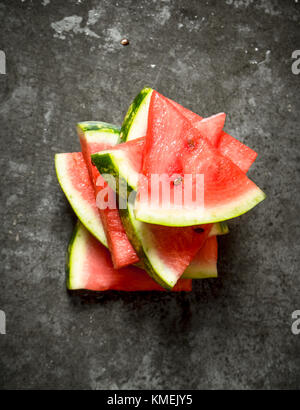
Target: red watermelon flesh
(174,147)
(122,252)
(230,147)
(93,270)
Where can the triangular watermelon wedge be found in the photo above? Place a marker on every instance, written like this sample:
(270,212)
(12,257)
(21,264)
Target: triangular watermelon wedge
(173,147)
(136,120)
(94,137)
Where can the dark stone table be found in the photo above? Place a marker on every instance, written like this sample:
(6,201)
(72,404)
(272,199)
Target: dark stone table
(64,64)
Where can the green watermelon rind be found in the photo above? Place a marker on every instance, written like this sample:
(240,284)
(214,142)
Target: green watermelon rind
(189,217)
(136,109)
(87,126)
(91,221)
(73,266)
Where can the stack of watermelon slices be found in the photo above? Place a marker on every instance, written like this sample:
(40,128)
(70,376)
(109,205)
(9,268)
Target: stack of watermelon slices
(124,242)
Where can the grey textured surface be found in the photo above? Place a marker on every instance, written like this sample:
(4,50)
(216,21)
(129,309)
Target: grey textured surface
(65,64)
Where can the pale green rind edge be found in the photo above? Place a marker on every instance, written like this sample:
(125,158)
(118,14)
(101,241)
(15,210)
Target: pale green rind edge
(190,218)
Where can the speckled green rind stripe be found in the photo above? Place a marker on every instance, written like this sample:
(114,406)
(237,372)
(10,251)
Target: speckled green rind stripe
(69,256)
(132,112)
(98,126)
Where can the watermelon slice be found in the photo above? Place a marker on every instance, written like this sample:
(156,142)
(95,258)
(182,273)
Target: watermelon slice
(94,137)
(75,182)
(137,119)
(174,148)
(89,267)
(205,261)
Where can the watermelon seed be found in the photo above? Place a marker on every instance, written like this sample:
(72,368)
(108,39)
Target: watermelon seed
(177,181)
(124,42)
(191,143)
(198,230)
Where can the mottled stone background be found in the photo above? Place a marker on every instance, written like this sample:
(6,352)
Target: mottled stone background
(65,64)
